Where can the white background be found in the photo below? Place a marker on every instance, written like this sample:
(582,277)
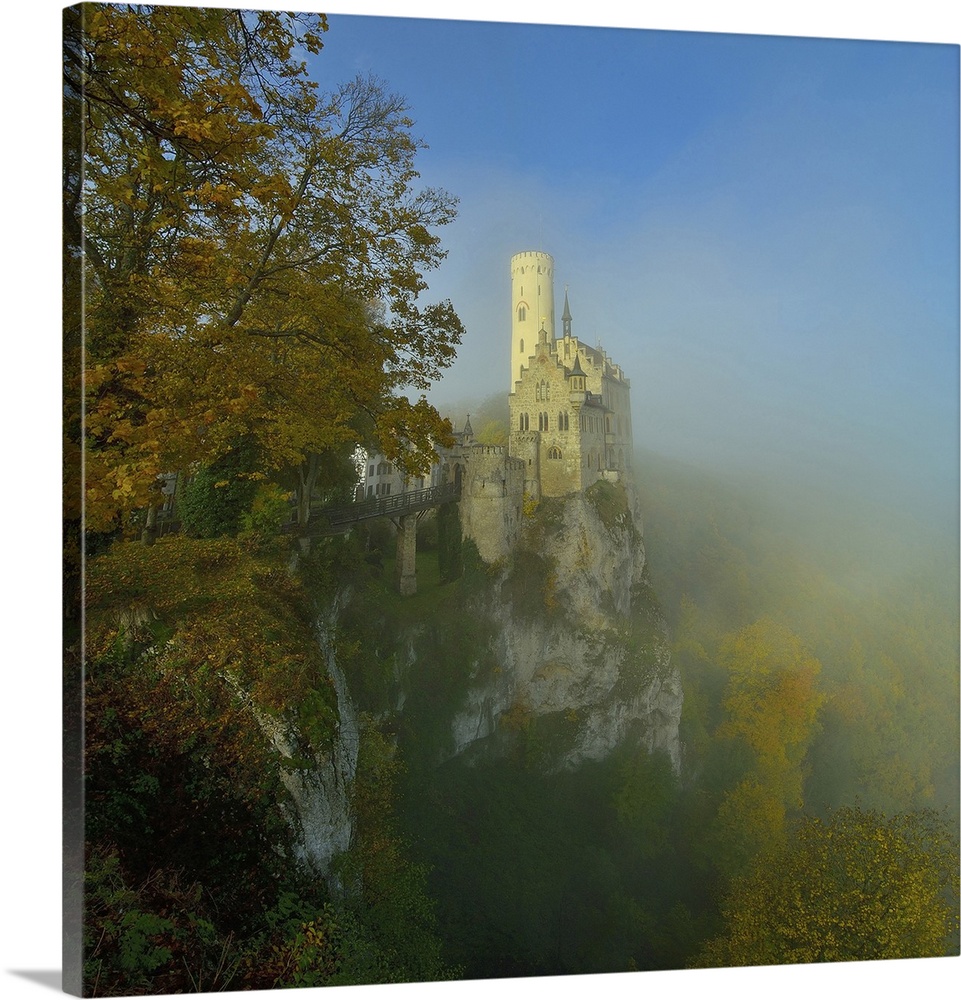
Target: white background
(30,938)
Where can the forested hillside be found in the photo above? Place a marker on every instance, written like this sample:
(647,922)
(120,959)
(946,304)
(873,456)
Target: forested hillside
(819,666)
(817,637)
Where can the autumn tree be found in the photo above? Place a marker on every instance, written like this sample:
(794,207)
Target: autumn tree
(856,886)
(770,705)
(253,250)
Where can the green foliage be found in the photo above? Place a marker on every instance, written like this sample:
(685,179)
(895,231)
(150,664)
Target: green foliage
(215,501)
(196,649)
(384,892)
(151,935)
(269,509)
(546,873)
(449,542)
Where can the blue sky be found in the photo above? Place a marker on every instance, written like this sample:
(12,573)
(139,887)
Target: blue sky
(763,231)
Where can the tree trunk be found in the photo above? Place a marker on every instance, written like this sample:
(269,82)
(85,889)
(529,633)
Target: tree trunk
(149,534)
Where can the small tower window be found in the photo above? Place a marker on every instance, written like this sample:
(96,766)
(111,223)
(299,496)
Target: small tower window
(521,313)
(554,453)
(522,345)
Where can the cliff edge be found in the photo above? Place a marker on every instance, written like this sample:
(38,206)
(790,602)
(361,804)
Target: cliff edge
(578,642)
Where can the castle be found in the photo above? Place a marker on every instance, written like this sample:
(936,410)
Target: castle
(570,422)
(570,405)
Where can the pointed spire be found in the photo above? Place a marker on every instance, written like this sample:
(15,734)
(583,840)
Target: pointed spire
(577,370)
(566,318)
(468,430)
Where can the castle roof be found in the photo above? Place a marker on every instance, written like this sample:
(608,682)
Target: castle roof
(567,308)
(577,370)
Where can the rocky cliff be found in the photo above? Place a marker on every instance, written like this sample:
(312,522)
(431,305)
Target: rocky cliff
(578,641)
(560,647)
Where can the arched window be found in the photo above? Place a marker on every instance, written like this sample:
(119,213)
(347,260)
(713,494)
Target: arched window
(554,453)
(521,313)
(525,422)
(522,345)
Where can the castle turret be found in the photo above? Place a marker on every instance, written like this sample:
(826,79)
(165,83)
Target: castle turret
(532,300)
(577,384)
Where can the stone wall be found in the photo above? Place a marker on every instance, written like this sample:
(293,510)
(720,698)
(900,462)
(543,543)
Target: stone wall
(491,500)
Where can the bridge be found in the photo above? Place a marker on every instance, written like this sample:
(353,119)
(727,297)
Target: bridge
(403,509)
(333,520)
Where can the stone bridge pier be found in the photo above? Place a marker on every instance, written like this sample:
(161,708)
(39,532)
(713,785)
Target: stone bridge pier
(406,567)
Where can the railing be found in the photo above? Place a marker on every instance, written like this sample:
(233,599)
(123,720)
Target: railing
(393,505)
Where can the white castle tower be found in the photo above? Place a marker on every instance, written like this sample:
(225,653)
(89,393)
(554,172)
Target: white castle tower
(532,298)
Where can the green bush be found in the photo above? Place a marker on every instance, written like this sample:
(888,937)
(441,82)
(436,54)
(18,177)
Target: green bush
(213,502)
(269,510)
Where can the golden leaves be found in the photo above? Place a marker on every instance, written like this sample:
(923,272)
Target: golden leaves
(237,233)
(857,886)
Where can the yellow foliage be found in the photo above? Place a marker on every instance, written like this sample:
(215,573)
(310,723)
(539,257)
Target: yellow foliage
(771,704)
(858,886)
(216,308)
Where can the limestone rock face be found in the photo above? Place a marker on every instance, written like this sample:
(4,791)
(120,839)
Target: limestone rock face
(578,637)
(322,811)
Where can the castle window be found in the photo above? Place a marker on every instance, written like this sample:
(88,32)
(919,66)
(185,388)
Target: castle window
(525,422)
(522,345)
(554,453)
(521,313)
